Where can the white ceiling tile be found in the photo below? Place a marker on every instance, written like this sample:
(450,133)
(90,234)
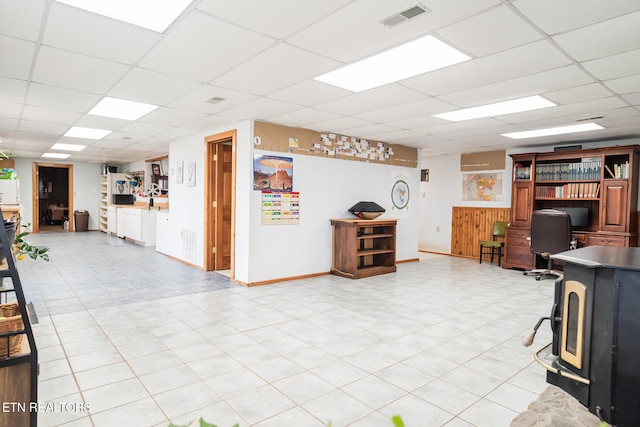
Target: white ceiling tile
(480,36)
(614,66)
(338,124)
(49,115)
(370,130)
(171,117)
(73,71)
(420,123)
(43,127)
(53,97)
(423,107)
(21,19)
(208,123)
(625,85)
(578,94)
(251,14)
(567,114)
(310,93)
(197,100)
(303,117)
(535,84)
(153,88)
(554,16)
(96,35)
(21,54)
(259,109)
(7,126)
(275,69)
(141,128)
(356,32)
(372,99)
(632,98)
(220,47)
(12,90)
(100,122)
(10,109)
(603,39)
(532,58)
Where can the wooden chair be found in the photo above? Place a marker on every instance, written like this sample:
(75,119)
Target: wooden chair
(490,246)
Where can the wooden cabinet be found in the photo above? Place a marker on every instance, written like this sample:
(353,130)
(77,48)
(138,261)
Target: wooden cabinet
(604,181)
(614,212)
(363,248)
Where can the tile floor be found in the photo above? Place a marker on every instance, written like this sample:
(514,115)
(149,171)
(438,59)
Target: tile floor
(144,340)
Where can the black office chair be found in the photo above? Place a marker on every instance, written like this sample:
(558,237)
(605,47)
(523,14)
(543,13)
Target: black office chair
(550,234)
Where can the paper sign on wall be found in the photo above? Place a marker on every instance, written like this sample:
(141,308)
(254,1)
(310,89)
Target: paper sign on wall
(280,207)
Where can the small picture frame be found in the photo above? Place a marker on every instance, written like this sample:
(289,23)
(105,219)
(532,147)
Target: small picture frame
(155,169)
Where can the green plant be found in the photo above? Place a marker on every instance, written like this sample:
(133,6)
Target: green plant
(203,423)
(396,419)
(22,247)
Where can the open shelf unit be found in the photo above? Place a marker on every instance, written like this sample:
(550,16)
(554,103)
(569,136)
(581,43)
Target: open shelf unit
(604,181)
(363,248)
(19,362)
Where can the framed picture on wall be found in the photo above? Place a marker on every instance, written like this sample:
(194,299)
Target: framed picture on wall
(155,169)
(180,172)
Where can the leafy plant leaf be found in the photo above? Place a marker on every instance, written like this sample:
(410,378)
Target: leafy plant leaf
(397,421)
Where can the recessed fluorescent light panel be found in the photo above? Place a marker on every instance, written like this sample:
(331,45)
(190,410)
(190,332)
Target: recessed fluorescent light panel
(87,133)
(56,155)
(507,107)
(121,109)
(68,147)
(411,59)
(585,127)
(152,14)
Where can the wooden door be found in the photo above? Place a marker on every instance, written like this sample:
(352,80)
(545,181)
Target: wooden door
(521,204)
(222,207)
(614,210)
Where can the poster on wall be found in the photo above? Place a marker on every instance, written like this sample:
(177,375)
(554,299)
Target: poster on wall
(280,207)
(272,173)
(482,187)
(191,174)
(400,194)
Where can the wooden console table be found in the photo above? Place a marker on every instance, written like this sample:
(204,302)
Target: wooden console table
(363,248)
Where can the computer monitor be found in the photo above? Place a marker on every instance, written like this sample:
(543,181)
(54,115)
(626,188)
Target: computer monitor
(579,216)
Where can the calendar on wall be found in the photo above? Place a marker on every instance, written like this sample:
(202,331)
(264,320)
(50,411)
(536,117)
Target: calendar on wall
(280,207)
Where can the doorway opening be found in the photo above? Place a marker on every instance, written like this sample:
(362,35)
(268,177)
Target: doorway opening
(220,178)
(52,197)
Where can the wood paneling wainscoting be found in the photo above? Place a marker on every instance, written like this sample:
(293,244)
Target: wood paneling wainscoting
(469,225)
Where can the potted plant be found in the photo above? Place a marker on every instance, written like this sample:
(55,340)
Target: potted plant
(23,249)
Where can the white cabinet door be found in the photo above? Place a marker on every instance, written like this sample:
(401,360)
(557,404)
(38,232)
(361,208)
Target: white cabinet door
(112,220)
(162,232)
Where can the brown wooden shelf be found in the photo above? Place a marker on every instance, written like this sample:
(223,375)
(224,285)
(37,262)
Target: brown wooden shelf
(363,248)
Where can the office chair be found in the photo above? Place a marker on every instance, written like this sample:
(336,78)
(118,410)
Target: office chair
(550,234)
(499,228)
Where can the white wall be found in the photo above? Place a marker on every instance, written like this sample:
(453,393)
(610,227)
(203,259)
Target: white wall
(328,187)
(86,188)
(444,191)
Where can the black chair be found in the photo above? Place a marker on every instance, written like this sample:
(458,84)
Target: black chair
(550,234)
(493,245)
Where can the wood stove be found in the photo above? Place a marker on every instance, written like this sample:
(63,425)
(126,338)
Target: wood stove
(595,319)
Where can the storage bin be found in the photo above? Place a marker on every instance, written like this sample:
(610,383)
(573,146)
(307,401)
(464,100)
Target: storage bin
(10,321)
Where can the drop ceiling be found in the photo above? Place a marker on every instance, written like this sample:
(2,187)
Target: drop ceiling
(261,56)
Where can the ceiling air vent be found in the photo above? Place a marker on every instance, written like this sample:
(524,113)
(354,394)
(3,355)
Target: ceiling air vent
(404,16)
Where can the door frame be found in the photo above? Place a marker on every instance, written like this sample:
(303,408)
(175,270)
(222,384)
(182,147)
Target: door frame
(35,196)
(209,190)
